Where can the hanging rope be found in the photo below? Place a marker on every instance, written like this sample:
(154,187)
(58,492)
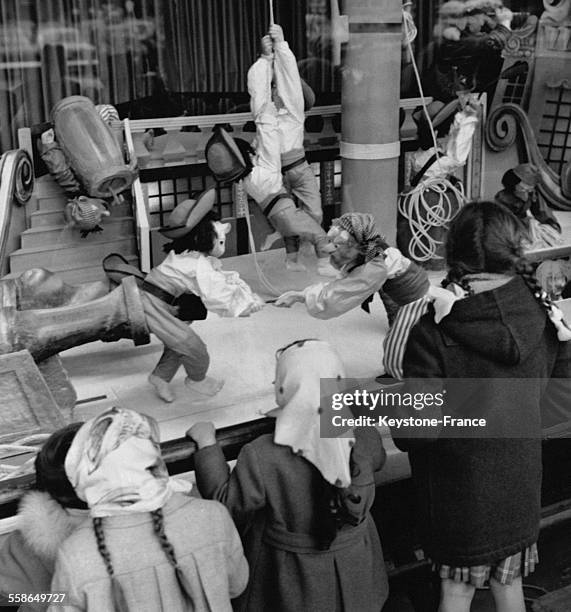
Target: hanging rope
(422,216)
(410,33)
(242,203)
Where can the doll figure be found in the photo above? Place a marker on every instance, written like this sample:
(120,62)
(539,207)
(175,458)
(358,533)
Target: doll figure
(553,275)
(277,168)
(192,267)
(520,196)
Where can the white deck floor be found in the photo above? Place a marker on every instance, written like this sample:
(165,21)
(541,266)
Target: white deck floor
(242,353)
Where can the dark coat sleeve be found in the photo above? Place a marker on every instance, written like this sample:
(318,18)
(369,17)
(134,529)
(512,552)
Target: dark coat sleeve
(22,571)
(423,372)
(242,490)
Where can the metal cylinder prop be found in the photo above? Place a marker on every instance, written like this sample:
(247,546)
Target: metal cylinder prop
(90,147)
(370,101)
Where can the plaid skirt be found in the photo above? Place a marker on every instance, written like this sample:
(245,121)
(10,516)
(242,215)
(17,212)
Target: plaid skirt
(504,572)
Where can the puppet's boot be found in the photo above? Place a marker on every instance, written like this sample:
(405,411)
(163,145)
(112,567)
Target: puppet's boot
(162,388)
(269,241)
(293,264)
(207,387)
(324,268)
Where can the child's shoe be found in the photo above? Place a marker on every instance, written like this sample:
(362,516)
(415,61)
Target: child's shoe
(162,388)
(293,265)
(269,241)
(324,268)
(207,387)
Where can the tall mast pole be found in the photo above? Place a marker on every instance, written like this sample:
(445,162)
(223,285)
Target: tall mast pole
(370,98)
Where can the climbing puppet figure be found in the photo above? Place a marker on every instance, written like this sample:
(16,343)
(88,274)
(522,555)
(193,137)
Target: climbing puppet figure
(367,264)
(192,267)
(277,102)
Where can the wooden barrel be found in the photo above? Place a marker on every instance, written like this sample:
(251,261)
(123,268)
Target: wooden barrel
(90,147)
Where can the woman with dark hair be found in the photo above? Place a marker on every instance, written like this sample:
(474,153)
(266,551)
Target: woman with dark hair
(149,545)
(46,517)
(520,196)
(478,489)
(192,267)
(301,501)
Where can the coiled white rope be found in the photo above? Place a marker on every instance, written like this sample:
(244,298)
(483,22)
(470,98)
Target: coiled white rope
(422,216)
(413,205)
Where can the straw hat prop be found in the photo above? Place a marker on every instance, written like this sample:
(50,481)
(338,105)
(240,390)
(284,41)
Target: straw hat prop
(186,216)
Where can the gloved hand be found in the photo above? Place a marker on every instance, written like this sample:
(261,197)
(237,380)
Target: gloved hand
(255,306)
(289,298)
(504,16)
(276,33)
(267,45)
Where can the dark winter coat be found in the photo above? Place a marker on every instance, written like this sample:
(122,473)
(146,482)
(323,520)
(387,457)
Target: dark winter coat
(273,496)
(479,499)
(28,554)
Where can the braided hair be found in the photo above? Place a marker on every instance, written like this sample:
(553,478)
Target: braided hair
(119,600)
(488,237)
(159,529)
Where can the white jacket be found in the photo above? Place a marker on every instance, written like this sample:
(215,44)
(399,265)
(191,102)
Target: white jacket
(277,131)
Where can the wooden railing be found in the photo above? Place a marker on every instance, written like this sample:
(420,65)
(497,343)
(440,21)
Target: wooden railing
(327,138)
(16,185)
(141,209)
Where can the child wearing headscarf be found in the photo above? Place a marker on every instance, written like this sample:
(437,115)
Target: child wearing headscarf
(367,264)
(148,546)
(300,501)
(46,517)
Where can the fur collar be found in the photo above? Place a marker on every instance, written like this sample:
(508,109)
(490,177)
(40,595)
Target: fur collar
(45,524)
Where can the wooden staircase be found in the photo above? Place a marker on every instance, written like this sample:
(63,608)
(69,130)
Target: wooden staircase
(52,244)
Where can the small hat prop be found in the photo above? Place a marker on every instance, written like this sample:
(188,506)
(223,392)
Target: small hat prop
(441,116)
(528,173)
(188,214)
(224,158)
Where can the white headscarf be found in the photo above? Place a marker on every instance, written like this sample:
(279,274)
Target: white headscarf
(115,464)
(299,369)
